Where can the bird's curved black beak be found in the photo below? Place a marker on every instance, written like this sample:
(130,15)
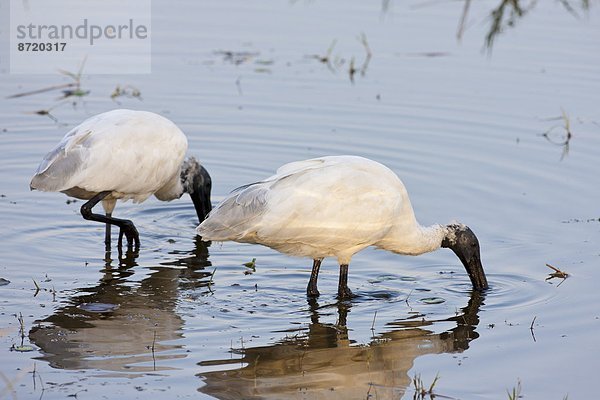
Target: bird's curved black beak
(201,193)
(475,271)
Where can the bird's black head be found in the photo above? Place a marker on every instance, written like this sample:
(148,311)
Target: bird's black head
(197,183)
(463,242)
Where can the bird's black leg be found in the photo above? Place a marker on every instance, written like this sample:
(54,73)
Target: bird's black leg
(126,226)
(344,292)
(107,233)
(311,290)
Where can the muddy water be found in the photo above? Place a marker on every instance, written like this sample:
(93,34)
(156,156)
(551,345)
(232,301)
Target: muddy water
(477,135)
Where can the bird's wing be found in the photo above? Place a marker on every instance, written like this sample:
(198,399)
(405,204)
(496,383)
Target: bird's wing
(248,202)
(237,214)
(62,162)
(298,166)
(252,198)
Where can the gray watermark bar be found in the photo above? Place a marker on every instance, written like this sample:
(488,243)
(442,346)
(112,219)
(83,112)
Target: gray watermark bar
(108,36)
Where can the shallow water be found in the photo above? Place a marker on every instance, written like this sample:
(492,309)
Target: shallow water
(461,124)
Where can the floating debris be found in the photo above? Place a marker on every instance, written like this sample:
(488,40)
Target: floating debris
(264,62)
(237,57)
(565,138)
(77,91)
(22,348)
(574,220)
(335,63)
(262,70)
(557,274)
(37,288)
(128,91)
(74,93)
(326,59)
(408,278)
(47,113)
(352,70)
(531,327)
(432,300)
(369,54)
(251,265)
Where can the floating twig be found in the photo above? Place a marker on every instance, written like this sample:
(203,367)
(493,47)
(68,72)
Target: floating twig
(326,59)
(237,57)
(369,54)
(21,326)
(498,23)
(567,137)
(571,10)
(463,20)
(352,70)
(373,323)
(421,391)
(47,112)
(36,374)
(516,391)
(43,90)
(557,273)
(407,297)
(152,348)
(37,288)
(211,281)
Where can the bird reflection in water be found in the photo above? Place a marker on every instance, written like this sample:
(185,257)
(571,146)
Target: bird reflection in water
(322,363)
(119,325)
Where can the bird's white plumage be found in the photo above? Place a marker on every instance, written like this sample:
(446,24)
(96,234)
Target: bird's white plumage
(329,206)
(134,154)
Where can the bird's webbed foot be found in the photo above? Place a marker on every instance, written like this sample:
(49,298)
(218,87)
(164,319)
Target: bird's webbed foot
(312,292)
(128,229)
(344,293)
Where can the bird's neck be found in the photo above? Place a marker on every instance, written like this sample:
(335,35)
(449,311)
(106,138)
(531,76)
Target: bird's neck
(189,170)
(413,239)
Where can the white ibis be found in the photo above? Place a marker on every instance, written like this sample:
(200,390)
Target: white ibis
(123,155)
(334,207)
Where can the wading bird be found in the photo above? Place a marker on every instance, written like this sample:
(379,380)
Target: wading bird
(334,207)
(123,155)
